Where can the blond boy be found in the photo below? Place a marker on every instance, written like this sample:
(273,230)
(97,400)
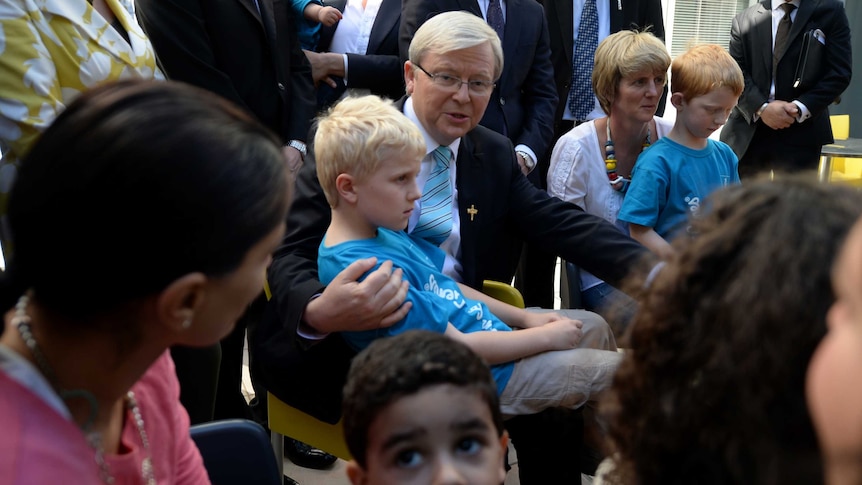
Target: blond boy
(368,157)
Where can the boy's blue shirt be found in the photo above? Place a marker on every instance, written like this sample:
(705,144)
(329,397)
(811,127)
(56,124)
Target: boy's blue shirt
(437,298)
(670,181)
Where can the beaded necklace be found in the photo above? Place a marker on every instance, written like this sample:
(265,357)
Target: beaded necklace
(619,183)
(21,321)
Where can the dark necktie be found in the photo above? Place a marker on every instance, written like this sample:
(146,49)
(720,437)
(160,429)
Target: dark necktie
(781,35)
(495,17)
(581,93)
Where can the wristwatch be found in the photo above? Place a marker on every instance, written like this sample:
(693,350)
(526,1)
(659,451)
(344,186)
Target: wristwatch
(528,160)
(299,146)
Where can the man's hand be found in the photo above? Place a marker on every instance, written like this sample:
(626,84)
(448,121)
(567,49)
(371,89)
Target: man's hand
(778,115)
(324,64)
(522,163)
(347,304)
(293,159)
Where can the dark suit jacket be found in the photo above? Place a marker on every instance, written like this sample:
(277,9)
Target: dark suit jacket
(510,210)
(229,48)
(751,46)
(634,15)
(380,69)
(523,103)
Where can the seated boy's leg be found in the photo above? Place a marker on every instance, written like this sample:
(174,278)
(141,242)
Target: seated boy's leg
(597,332)
(565,378)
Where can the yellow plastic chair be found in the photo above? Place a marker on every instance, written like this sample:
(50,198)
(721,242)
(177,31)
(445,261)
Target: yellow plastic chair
(503,292)
(840,126)
(286,420)
(844,170)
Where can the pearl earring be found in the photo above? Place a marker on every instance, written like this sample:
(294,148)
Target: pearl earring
(187,323)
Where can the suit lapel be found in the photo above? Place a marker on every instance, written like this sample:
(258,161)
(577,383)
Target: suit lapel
(250,6)
(803,14)
(617,19)
(469,165)
(387,17)
(471,6)
(761,26)
(565,16)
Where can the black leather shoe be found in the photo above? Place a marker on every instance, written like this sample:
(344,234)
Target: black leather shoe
(290,481)
(305,456)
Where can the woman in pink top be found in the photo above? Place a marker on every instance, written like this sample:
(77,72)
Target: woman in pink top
(144,217)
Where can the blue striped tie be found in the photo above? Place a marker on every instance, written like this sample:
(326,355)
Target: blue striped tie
(435,220)
(581,95)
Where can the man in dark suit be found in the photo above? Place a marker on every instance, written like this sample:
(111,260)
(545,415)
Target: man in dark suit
(777,126)
(523,103)
(344,61)
(248,52)
(497,209)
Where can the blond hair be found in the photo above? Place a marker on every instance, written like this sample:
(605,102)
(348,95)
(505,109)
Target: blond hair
(703,68)
(623,54)
(452,31)
(356,134)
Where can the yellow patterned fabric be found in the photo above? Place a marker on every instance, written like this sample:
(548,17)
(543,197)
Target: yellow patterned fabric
(51,51)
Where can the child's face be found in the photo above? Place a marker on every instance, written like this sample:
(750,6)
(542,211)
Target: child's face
(702,115)
(444,434)
(386,198)
(833,390)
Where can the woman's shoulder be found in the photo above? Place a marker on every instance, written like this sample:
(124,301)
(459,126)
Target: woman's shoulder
(38,445)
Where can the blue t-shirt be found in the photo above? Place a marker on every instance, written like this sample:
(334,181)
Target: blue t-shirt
(436,298)
(670,181)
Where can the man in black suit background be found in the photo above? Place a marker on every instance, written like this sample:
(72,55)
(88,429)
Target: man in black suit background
(496,209)
(775,125)
(248,52)
(352,55)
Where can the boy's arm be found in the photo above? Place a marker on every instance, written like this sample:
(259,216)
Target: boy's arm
(327,16)
(502,347)
(649,238)
(510,315)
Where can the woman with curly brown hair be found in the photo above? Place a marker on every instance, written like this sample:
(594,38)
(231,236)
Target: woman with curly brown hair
(713,388)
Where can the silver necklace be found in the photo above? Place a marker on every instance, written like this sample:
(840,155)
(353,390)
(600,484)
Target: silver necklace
(21,321)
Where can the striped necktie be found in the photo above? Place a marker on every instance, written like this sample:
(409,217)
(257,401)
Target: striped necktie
(435,220)
(581,94)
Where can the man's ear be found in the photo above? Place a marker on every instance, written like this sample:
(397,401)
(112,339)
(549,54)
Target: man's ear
(345,184)
(677,100)
(177,303)
(356,474)
(409,77)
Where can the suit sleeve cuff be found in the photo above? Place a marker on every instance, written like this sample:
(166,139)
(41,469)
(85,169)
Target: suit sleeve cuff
(804,114)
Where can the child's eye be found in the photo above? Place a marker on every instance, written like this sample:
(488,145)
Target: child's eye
(408,458)
(469,446)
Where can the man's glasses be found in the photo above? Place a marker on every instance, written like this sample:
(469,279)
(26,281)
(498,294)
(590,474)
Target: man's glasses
(452,83)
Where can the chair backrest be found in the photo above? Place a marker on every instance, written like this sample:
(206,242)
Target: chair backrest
(236,452)
(840,126)
(503,292)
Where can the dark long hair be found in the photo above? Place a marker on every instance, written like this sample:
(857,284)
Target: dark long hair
(712,389)
(135,184)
